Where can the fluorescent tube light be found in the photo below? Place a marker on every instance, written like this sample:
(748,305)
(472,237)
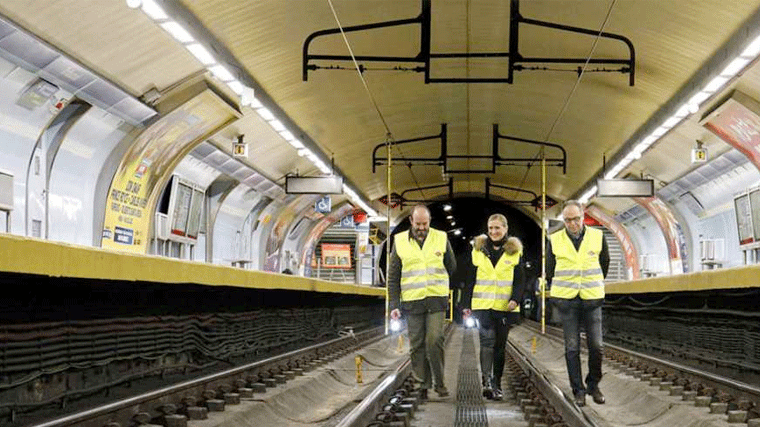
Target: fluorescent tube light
(734,67)
(236,87)
(201,54)
(152,9)
(265,114)
(752,50)
(277,125)
(287,135)
(296,143)
(715,84)
(221,72)
(178,32)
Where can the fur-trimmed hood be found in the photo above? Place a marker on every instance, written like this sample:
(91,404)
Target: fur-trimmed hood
(513,245)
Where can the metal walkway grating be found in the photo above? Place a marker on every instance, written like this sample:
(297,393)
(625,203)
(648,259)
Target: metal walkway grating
(471,410)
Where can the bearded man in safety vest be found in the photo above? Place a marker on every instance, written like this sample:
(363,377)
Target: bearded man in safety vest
(418,283)
(576,265)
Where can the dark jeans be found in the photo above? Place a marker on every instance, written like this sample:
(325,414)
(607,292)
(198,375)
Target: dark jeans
(588,314)
(493,332)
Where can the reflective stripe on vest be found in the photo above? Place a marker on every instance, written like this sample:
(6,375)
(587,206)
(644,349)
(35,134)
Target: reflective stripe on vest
(423,273)
(577,272)
(493,284)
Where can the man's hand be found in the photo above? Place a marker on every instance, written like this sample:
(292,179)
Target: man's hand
(395,314)
(512,305)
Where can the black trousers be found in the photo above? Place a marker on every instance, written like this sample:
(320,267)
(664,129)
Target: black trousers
(493,332)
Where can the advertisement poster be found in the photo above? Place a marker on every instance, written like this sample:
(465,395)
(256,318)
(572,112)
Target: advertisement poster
(744,219)
(308,260)
(629,250)
(336,255)
(276,237)
(754,202)
(669,227)
(134,189)
(736,121)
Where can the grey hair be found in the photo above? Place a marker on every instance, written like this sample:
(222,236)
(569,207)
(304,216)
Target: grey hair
(573,202)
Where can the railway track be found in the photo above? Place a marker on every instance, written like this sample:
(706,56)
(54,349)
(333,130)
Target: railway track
(174,405)
(738,400)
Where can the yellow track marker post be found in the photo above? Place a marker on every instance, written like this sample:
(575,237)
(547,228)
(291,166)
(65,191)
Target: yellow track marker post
(388,234)
(542,281)
(358,359)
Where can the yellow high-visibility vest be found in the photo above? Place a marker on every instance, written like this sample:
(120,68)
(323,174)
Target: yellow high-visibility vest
(577,272)
(423,273)
(493,284)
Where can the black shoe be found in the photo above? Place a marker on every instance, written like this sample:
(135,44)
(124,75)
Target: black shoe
(597,396)
(487,392)
(497,394)
(442,391)
(423,394)
(580,398)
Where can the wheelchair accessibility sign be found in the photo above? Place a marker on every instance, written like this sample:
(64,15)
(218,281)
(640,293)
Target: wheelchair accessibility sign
(323,205)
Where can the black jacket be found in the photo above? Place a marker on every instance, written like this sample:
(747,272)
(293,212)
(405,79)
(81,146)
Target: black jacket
(427,305)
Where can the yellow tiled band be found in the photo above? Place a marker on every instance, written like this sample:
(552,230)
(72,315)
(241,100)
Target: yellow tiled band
(34,256)
(728,278)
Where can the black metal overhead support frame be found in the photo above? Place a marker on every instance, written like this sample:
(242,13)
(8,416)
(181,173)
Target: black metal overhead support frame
(443,159)
(535,201)
(517,62)
(506,187)
(404,201)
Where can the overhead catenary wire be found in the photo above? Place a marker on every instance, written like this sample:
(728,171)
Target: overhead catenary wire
(388,133)
(575,85)
(388,140)
(542,154)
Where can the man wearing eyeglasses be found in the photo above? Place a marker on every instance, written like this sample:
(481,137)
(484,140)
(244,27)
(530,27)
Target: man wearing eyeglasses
(576,265)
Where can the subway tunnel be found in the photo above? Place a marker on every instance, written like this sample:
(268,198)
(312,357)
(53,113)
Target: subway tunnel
(191,187)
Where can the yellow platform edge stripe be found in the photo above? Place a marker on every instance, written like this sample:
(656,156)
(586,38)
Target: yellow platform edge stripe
(727,278)
(34,256)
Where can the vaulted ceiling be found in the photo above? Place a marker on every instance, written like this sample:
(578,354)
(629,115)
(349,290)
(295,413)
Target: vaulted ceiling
(591,115)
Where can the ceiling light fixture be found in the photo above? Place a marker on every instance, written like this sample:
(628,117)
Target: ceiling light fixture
(177,31)
(734,68)
(153,9)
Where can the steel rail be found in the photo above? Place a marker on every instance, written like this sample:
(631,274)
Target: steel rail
(363,412)
(570,413)
(742,388)
(100,411)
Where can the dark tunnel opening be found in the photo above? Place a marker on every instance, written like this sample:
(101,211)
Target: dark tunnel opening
(466,218)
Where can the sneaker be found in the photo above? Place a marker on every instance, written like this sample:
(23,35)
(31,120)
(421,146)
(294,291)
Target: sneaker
(423,394)
(580,398)
(442,391)
(597,396)
(497,394)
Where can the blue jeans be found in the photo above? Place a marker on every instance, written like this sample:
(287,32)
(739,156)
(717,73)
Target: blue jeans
(574,314)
